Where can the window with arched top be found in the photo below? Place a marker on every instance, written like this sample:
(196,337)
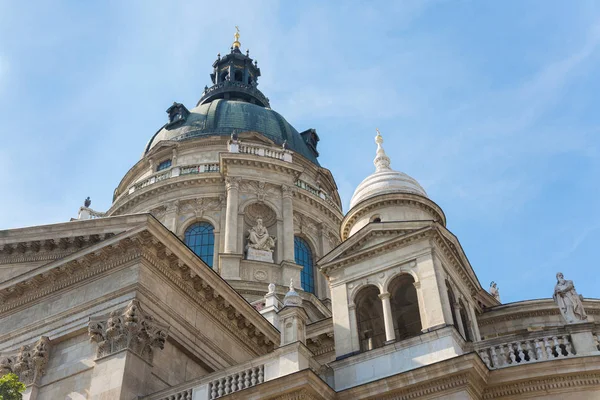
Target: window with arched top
(200,237)
(405,307)
(304,257)
(369,318)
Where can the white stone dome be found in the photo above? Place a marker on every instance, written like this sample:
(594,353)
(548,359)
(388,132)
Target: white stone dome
(385,180)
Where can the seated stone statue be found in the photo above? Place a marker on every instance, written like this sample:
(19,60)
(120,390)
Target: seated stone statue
(259,239)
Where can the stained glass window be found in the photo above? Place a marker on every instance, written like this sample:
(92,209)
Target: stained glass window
(303,256)
(200,238)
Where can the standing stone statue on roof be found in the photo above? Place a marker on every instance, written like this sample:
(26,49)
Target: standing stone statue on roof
(568,301)
(87,202)
(494,290)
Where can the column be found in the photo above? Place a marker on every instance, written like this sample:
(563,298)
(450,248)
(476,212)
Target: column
(288,223)
(231,214)
(390,334)
(474,324)
(459,321)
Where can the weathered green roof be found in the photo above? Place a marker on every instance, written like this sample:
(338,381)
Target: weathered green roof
(222,117)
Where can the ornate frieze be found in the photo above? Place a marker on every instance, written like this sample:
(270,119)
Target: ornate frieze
(29,363)
(200,205)
(260,189)
(131,329)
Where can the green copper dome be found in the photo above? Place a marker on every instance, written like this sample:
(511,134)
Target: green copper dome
(222,117)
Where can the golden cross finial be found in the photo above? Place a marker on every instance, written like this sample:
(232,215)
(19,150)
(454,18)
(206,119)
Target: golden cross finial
(237,43)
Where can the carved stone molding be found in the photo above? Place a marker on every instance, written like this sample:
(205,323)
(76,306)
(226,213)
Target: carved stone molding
(131,329)
(543,385)
(200,205)
(232,182)
(261,189)
(29,363)
(257,210)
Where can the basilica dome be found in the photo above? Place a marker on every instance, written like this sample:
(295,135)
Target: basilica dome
(385,180)
(224,116)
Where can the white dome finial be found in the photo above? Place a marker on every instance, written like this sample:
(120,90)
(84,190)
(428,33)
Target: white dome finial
(382,161)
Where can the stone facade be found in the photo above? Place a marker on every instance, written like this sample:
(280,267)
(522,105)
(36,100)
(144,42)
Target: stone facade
(285,297)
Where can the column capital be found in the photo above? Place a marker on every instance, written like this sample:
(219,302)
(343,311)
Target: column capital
(29,362)
(129,328)
(232,182)
(287,191)
(384,295)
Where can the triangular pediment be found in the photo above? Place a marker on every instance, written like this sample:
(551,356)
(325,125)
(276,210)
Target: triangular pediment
(374,236)
(136,240)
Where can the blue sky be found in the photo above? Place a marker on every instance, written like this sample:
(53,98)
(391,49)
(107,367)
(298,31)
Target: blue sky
(492,106)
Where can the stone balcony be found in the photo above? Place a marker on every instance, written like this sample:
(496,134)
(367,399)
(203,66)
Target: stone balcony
(283,361)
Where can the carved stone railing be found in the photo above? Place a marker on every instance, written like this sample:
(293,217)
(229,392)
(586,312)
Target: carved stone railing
(237,381)
(243,376)
(524,350)
(315,191)
(182,395)
(175,172)
(237,146)
(238,86)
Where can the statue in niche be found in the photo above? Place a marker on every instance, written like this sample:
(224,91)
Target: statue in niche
(494,290)
(259,239)
(568,301)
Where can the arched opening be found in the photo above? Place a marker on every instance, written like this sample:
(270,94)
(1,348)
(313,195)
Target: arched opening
(465,320)
(200,238)
(405,307)
(376,218)
(304,257)
(369,318)
(224,76)
(452,300)
(238,76)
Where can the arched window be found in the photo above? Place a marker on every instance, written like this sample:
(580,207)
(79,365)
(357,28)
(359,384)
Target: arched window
(200,237)
(303,256)
(405,307)
(369,318)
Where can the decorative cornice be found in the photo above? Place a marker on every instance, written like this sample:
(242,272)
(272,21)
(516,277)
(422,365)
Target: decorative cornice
(518,315)
(543,385)
(124,204)
(29,364)
(391,200)
(47,249)
(129,328)
(145,246)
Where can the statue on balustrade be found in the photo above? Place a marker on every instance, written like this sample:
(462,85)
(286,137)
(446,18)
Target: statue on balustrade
(259,239)
(568,301)
(494,291)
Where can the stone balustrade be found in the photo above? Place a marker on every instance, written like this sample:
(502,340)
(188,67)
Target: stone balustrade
(283,361)
(315,191)
(281,154)
(173,173)
(236,382)
(523,351)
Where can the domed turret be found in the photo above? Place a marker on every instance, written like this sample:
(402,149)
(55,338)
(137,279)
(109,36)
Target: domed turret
(386,196)
(384,180)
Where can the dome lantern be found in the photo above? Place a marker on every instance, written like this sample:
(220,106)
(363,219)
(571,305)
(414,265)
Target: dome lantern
(235,77)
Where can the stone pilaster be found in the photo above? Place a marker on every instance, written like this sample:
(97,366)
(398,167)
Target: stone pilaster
(288,223)
(171,216)
(231,214)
